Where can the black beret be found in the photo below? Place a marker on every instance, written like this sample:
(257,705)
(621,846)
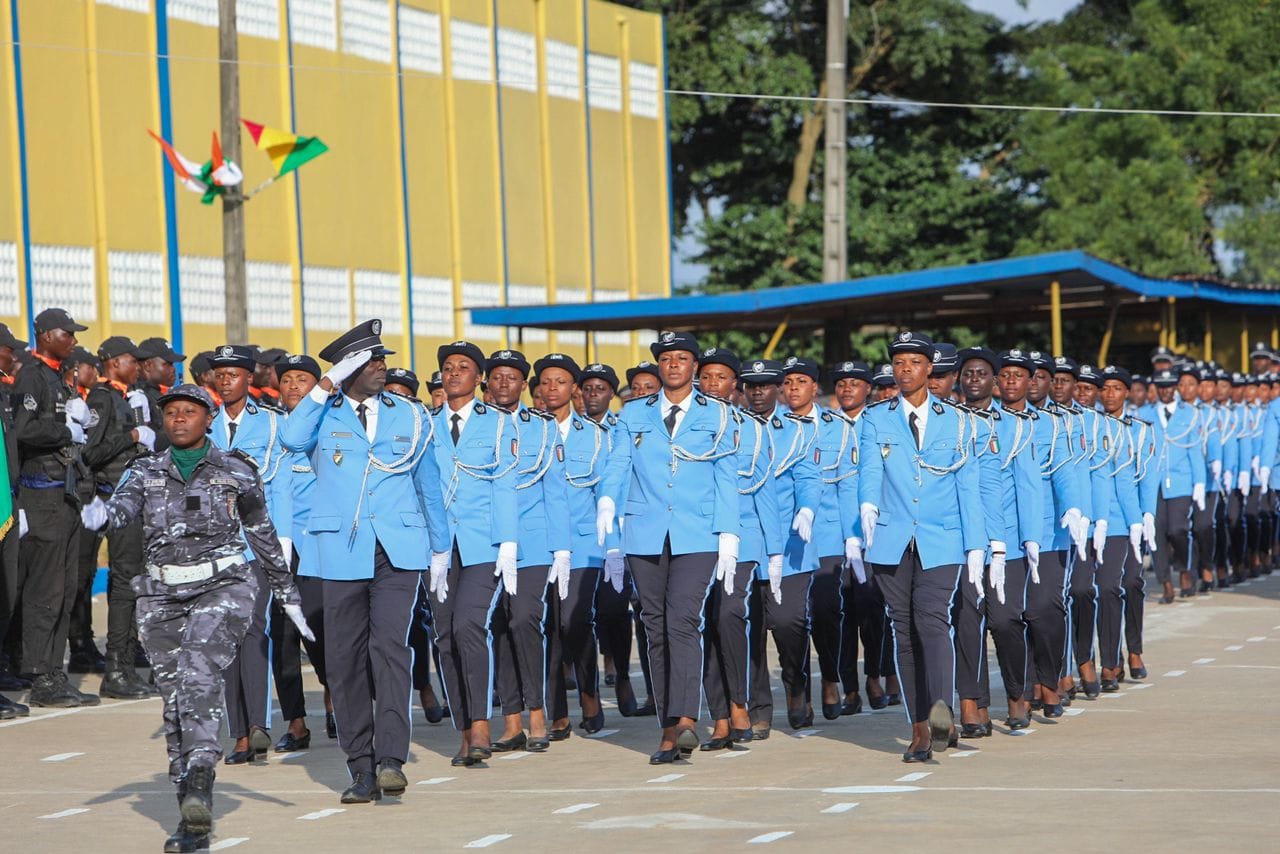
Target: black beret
(462,348)
(297,362)
(510,359)
(669,341)
(721,356)
(557,360)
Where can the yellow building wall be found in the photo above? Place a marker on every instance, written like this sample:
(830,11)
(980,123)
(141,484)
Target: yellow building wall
(505,198)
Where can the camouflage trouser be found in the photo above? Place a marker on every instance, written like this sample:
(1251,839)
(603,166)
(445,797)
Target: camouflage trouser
(191,633)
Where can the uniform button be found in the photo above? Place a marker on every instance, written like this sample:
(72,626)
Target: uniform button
(668,509)
(915,501)
(669,486)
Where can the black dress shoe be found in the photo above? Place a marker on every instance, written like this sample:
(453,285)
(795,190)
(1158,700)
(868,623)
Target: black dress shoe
(742,736)
(973,730)
(1186,592)
(363,789)
(723,742)
(519,741)
(183,841)
(801,718)
(1037,705)
(854,708)
(330,725)
(391,780)
(1138,672)
(686,741)
(560,734)
(259,742)
(1092,690)
(479,753)
(941,725)
(238,757)
(11,682)
(1166,599)
(877,703)
(462,761)
(1205,586)
(1052,710)
(12,708)
(1110,686)
(537,744)
(7,712)
(831,711)
(434,714)
(593,724)
(610,680)
(664,757)
(648,710)
(760,732)
(917,755)
(288,742)
(1223,584)
(893,700)
(1017,723)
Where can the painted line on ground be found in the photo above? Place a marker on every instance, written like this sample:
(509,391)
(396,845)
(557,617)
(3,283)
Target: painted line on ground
(961,754)
(666,778)
(486,841)
(1138,686)
(513,756)
(1204,661)
(62,757)
(913,776)
(871,790)
(1172,673)
(1071,713)
(228,843)
(836,809)
(1257,639)
(1233,648)
(804,733)
(319,814)
(1028,731)
(293,754)
(570,810)
(65,813)
(61,713)
(766,838)
(435,781)
(604,733)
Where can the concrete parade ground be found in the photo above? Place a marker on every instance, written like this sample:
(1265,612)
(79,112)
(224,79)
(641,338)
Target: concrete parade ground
(1185,761)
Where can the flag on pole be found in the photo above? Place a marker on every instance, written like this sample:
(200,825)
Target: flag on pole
(6,497)
(287,150)
(211,178)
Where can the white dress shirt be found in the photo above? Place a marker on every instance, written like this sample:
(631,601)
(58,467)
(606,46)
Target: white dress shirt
(371,405)
(921,413)
(227,421)
(465,411)
(682,409)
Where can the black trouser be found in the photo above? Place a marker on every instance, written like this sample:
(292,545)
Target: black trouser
(80,630)
(11,579)
(920,603)
(1046,616)
(1008,630)
(124,557)
(519,645)
(877,635)
(1082,610)
(50,566)
(726,660)
(1172,554)
(1117,554)
(1205,537)
(1134,584)
(287,644)
(248,679)
(424,651)
(465,640)
(826,609)
(969,624)
(863,616)
(1252,524)
(1221,531)
(673,594)
(1266,525)
(1238,523)
(571,639)
(614,627)
(367,655)
(788,622)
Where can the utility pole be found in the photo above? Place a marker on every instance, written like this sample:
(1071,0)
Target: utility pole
(835,232)
(232,205)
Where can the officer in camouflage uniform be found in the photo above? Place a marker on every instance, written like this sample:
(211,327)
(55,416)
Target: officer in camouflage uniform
(199,505)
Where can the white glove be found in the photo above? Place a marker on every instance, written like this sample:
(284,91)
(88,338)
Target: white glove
(853,559)
(1149,530)
(94,514)
(1264,480)
(870,513)
(348,367)
(140,404)
(606,510)
(286,547)
(22,524)
(506,566)
(974,560)
(1197,494)
(803,524)
(1032,548)
(560,562)
(1135,540)
(77,432)
(1099,536)
(775,577)
(146,436)
(1228,478)
(1245,482)
(1253,466)
(1215,468)
(78,411)
(294,613)
(727,561)
(1078,526)
(440,575)
(997,576)
(614,567)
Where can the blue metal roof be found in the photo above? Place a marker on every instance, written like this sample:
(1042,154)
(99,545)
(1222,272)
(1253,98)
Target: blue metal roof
(1024,277)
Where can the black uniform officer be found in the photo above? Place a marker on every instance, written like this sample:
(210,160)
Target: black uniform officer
(157,373)
(10,582)
(49,423)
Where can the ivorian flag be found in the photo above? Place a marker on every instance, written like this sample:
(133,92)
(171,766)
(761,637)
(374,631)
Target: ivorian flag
(6,496)
(287,150)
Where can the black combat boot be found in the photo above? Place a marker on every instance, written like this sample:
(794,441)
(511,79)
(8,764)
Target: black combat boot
(48,691)
(117,684)
(197,801)
(183,840)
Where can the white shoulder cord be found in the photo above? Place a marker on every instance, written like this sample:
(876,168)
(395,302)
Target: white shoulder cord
(1049,469)
(679,453)
(962,448)
(405,462)
(479,471)
(542,464)
(846,430)
(1176,440)
(799,447)
(755,460)
(1115,445)
(1142,467)
(586,480)
(1019,444)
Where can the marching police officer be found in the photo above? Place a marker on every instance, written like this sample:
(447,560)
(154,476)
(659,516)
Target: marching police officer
(157,373)
(376,515)
(1180,473)
(477,451)
(49,426)
(922,519)
(674,472)
(198,505)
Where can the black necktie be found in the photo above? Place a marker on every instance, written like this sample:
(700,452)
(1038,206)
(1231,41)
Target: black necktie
(362,412)
(670,420)
(1168,413)
(456,430)
(231,427)
(915,428)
